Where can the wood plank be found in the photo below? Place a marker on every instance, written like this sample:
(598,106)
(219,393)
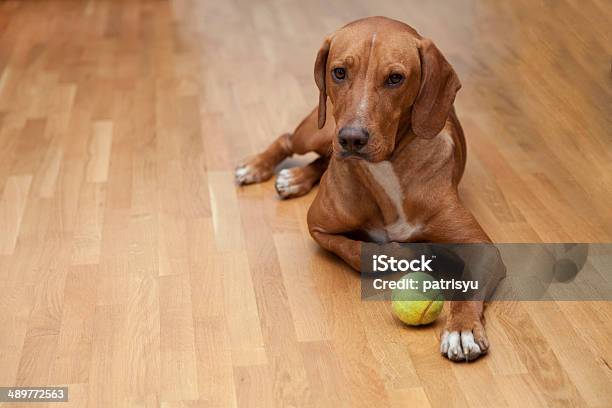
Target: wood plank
(12,207)
(73,355)
(99,151)
(178,356)
(88,229)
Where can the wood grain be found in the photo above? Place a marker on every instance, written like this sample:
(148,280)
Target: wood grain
(12,207)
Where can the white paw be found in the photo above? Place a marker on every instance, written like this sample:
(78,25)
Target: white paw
(242,174)
(248,174)
(460,346)
(287,184)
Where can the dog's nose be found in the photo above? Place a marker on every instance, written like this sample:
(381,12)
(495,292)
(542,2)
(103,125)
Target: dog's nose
(353,139)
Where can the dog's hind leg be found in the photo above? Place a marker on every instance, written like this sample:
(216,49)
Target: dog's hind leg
(260,167)
(298,181)
(306,138)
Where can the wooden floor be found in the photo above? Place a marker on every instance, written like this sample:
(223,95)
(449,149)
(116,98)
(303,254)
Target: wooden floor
(133,270)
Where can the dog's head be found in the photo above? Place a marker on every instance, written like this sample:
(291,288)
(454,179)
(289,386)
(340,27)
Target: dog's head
(381,77)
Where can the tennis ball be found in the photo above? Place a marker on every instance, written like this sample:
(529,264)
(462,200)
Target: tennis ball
(413,306)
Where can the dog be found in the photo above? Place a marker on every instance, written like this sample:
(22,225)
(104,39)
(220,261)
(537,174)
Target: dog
(391,155)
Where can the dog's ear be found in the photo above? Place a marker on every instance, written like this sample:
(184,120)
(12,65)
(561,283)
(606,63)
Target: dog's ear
(320,71)
(439,85)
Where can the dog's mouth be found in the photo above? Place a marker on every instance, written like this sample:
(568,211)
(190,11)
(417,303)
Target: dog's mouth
(359,156)
(344,155)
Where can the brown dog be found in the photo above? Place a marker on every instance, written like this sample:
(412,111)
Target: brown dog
(392,153)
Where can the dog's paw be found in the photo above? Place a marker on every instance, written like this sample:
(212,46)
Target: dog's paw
(293,182)
(464,345)
(253,171)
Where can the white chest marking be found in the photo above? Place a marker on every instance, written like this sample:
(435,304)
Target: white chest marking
(401,229)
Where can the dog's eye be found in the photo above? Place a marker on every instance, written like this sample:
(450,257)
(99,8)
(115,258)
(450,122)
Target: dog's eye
(394,79)
(339,74)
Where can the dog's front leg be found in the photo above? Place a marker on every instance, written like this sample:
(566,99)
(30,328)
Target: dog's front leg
(260,167)
(464,337)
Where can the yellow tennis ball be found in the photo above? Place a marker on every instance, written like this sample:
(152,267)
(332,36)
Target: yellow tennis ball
(414,306)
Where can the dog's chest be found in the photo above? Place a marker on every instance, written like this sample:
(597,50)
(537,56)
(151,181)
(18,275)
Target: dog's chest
(390,198)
